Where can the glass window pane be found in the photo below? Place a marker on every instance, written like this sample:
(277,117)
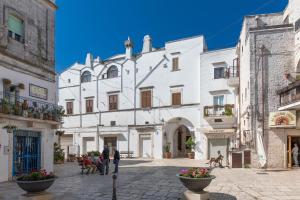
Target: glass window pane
(15,25)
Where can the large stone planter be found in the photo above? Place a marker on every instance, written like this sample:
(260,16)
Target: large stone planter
(35,186)
(195,184)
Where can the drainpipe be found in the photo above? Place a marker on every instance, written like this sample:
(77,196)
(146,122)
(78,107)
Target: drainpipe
(80,102)
(263,89)
(134,92)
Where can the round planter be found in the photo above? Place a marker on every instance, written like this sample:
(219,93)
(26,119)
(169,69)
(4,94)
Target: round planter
(195,184)
(35,186)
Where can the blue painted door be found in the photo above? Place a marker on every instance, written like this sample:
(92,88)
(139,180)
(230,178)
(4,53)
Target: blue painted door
(27,152)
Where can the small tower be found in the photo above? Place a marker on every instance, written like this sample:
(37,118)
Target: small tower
(129,48)
(89,60)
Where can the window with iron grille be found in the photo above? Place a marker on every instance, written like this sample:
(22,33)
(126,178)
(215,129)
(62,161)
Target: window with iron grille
(146,99)
(70,108)
(89,105)
(176,98)
(113,102)
(112,72)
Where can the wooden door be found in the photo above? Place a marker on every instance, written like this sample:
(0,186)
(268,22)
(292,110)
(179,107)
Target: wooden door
(237,160)
(247,157)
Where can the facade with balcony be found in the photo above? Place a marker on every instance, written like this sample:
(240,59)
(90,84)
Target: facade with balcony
(218,111)
(29,114)
(268,91)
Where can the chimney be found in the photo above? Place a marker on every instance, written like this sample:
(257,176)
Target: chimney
(147,45)
(129,48)
(89,60)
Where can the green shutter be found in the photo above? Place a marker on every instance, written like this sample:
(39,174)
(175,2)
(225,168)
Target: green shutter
(15,25)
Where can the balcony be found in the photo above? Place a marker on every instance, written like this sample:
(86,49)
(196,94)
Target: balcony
(290,96)
(233,74)
(31,110)
(220,116)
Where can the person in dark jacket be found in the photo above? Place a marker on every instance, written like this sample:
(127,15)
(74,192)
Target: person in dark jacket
(116,160)
(105,154)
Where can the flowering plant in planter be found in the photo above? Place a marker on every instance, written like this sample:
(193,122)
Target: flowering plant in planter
(195,173)
(36,176)
(195,179)
(36,181)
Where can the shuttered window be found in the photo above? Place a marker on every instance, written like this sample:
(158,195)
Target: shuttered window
(69,108)
(146,99)
(175,64)
(113,102)
(176,98)
(89,105)
(15,28)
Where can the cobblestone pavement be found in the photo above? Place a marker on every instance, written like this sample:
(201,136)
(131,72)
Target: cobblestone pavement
(156,180)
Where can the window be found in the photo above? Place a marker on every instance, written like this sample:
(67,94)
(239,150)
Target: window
(89,105)
(70,108)
(113,102)
(176,98)
(112,72)
(86,77)
(219,72)
(15,28)
(112,123)
(146,99)
(219,100)
(175,64)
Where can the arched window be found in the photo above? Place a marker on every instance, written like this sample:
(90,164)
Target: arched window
(86,77)
(112,72)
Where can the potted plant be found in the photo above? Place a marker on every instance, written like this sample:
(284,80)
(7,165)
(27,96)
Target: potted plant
(6,107)
(167,153)
(10,128)
(228,110)
(195,179)
(190,144)
(36,181)
(59,155)
(17,109)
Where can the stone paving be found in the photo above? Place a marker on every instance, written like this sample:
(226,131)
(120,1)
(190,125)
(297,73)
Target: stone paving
(156,180)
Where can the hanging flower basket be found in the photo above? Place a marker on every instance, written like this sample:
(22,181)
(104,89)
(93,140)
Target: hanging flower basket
(10,128)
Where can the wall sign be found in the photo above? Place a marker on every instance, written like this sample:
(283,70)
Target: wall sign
(282,119)
(38,92)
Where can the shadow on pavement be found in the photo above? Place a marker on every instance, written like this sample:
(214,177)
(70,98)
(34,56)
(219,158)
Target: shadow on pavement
(221,196)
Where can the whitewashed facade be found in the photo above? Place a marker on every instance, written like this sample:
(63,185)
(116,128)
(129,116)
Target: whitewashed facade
(173,71)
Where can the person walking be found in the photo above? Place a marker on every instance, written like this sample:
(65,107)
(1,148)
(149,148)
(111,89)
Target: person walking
(116,160)
(105,154)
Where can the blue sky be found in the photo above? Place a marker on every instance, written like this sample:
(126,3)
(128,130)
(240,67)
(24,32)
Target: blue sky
(101,26)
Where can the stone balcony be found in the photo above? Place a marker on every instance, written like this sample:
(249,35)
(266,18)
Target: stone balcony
(290,96)
(220,116)
(233,76)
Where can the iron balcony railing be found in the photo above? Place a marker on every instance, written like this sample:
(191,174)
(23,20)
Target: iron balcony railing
(234,70)
(30,108)
(219,110)
(290,94)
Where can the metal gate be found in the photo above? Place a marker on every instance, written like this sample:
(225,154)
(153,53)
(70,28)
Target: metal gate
(27,152)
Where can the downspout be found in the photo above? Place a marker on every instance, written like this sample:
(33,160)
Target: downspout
(80,102)
(134,121)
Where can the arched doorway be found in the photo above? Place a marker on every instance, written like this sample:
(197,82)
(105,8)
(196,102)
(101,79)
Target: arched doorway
(181,135)
(177,132)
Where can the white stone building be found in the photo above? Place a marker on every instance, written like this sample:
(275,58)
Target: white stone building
(140,103)
(27,86)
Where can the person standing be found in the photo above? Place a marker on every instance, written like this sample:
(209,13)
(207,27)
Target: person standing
(295,152)
(105,154)
(116,160)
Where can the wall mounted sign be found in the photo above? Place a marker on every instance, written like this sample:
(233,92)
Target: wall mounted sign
(38,92)
(282,119)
